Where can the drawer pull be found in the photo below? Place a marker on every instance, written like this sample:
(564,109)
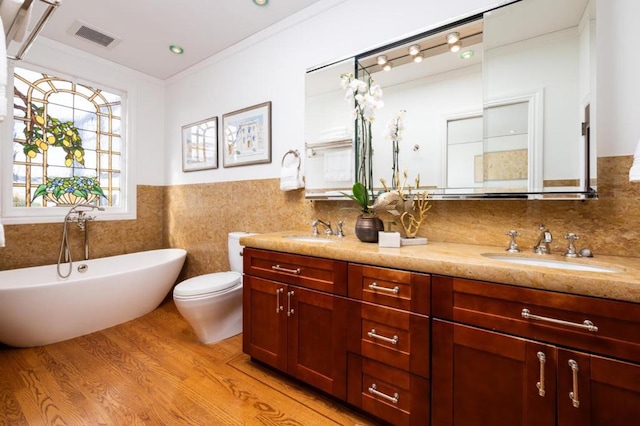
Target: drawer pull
(586,324)
(393,340)
(373,390)
(290,271)
(279,308)
(540,385)
(574,395)
(376,287)
(289,308)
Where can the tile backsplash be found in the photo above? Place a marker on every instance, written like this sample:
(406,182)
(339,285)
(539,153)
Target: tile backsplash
(198,217)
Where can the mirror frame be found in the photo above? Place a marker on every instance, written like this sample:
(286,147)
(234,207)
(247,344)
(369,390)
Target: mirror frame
(589,191)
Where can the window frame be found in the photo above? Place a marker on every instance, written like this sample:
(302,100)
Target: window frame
(28,215)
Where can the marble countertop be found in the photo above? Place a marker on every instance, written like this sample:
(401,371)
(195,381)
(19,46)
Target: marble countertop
(467,261)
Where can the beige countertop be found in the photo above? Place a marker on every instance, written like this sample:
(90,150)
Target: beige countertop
(467,261)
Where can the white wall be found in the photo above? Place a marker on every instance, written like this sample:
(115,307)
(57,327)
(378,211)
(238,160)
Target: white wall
(272,64)
(618,91)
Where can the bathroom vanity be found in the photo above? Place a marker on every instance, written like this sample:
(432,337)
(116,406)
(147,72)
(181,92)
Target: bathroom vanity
(444,334)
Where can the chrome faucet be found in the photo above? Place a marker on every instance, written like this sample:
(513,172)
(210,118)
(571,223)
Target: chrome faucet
(542,245)
(327,227)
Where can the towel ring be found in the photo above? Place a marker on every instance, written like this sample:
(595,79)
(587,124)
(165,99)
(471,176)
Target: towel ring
(292,152)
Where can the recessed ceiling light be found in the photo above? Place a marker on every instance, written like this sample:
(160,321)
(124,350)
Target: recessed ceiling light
(467,54)
(418,58)
(382,59)
(178,50)
(455,47)
(387,66)
(261,2)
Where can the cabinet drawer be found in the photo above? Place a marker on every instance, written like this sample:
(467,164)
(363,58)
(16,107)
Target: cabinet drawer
(390,287)
(558,318)
(311,272)
(394,337)
(388,393)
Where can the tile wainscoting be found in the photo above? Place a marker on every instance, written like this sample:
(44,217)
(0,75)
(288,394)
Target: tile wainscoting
(198,217)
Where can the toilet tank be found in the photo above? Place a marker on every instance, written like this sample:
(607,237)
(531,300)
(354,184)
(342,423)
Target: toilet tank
(235,250)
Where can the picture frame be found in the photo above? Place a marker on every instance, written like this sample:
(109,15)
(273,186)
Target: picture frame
(200,145)
(246,136)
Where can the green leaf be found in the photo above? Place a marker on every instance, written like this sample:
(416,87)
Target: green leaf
(98,191)
(40,191)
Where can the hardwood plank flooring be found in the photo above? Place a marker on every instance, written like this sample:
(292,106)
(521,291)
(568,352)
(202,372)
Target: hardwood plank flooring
(153,371)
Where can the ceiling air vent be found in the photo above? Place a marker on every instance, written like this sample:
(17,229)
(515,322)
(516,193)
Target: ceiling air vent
(86,32)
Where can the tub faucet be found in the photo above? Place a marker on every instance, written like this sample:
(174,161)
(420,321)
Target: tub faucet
(542,245)
(327,227)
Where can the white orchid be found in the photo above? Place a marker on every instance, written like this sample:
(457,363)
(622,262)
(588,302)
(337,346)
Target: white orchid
(368,99)
(396,126)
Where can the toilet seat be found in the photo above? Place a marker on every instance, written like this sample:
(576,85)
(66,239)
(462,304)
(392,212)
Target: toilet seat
(208,284)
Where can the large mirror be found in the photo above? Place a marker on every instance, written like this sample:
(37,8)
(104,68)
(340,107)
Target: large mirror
(497,105)
(329,127)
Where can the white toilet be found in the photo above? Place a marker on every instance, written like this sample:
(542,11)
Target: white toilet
(212,303)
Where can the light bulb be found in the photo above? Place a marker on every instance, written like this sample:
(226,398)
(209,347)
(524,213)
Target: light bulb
(414,49)
(453,37)
(455,47)
(382,59)
(418,58)
(387,66)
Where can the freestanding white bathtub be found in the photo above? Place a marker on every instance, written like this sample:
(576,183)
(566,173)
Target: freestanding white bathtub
(38,308)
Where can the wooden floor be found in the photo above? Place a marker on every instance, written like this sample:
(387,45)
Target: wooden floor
(152,371)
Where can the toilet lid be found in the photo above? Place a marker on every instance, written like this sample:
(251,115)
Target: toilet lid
(206,284)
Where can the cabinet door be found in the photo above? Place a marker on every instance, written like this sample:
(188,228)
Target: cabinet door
(264,321)
(484,378)
(317,339)
(597,391)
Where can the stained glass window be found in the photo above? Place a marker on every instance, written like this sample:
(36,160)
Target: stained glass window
(67,142)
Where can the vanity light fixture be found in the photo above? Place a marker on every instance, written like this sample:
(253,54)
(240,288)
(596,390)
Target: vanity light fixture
(261,2)
(414,49)
(455,47)
(418,58)
(382,59)
(387,66)
(453,37)
(467,54)
(178,50)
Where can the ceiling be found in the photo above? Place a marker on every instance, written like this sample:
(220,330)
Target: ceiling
(146,28)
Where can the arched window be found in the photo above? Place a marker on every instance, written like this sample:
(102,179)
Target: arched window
(68,144)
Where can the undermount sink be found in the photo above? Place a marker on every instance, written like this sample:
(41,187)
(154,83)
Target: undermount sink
(320,240)
(549,263)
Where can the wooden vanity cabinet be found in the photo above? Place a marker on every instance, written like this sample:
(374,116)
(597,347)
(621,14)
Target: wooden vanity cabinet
(388,344)
(491,365)
(294,317)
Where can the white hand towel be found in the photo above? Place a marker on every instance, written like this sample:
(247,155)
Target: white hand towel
(338,165)
(290,174)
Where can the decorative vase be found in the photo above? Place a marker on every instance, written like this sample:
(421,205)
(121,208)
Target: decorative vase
(367,228)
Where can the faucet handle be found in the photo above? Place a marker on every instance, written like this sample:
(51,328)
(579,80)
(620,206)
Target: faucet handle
(339,231)
(513,245)
(571,250)
(314,226)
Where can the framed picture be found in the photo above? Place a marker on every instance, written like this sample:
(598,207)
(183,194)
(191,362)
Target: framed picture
(200,145)
(247,136)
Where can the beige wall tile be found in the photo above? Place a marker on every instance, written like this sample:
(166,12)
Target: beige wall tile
(198,218)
